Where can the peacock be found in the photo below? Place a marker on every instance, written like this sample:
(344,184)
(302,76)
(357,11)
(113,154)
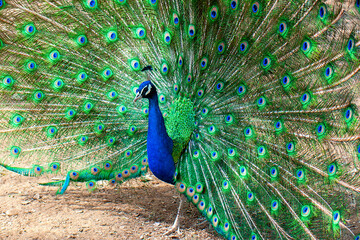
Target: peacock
(248,107)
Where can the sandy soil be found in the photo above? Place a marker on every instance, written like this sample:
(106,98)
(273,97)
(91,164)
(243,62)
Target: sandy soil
(133,210)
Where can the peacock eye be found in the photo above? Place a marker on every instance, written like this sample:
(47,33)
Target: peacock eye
(233,4)
(255,7)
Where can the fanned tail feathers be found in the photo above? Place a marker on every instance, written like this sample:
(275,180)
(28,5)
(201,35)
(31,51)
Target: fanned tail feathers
(275,153)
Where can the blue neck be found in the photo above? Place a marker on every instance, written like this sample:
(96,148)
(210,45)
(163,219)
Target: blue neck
(159,144)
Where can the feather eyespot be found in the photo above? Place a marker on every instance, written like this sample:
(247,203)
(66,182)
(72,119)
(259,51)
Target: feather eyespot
(91,185)
(323,12)
(164,69)
(30,29)
(126,173)
(88,106)
(261,150)
(191,31)
(181,187)
(38,170)
(144,161)
(274,205)
(226,227)
(300,174)
(15,151)
(38,96)
(8,81)
(241,90)
(250,196)
(108,165)
(349,114)
(200,93)
(54,167)
(320,129)
(248,132)
(305,98)
(167,38)
(212,129)
(112,36)
(145,111)
(180,61)
(81,40)
(132,130)
(231,152)
(95,170)
(209,211)
(175,19)
(82,140)
(253,236)
(336,217)
(162,98)
(213,13)
(121,109)
(221,48)
(243,171)
(128,153)
(305,211)
(54,55)
(331,169)
(255,8)
(273,172)
(119,177)
(350,45)
(215,155)
(195,199)
(243,47)
(203,63)
(190,192)
(225,185)
(17,120)
(91,4)
(215,221)
(141,32)
(201,206)
(266,63)
(107,73)
(196,154)
(229,119)
(290,147)
(189,78)
(233,237)
(74,175)
(219,86)
(99,128)
(234,4)
(306,46)
(283,28)
(134,169)
(199,188)
(111,141)
(328,73)
(31,66)
(51,131)
(81,77)
(135,65)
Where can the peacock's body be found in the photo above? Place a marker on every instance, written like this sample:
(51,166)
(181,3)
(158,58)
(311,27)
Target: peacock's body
(252,108)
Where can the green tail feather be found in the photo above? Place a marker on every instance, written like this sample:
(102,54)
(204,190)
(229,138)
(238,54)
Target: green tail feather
(270,145)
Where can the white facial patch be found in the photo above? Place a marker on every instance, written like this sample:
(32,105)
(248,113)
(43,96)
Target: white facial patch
(148,91)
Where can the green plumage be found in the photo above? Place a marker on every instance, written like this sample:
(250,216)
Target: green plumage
(260,99)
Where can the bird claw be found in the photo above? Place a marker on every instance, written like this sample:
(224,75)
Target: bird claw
(174,228)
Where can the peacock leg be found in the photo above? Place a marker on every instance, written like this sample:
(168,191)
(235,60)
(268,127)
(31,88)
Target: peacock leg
(176,226)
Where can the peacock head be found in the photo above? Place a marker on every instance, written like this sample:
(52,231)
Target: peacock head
(145,90)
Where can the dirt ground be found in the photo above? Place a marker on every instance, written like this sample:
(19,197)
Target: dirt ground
(133,210)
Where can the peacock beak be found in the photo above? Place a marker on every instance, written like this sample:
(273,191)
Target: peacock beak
(137,97)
